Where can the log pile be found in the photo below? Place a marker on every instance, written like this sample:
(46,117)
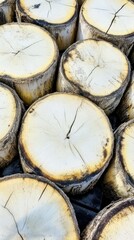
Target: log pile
(7,11)
(66,119)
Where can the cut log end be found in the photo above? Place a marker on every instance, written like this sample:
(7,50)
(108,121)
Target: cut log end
(113,222)
(34,208)
(66,128)
(106,20)
(31,55)
(47,10)
(86,68)
(44,13)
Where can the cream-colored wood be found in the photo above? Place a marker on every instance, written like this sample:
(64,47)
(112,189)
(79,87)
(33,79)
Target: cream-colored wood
(68,139)
(110,20)
(115,222)
(57,16)
(7,11)
(10,116)
(31,55)
(34,208)
(119,177)
(87,68)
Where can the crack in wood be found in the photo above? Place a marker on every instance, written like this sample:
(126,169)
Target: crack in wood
(57,120)
(91,73)
(14,222)
(42,192)
(72,124)
(8,199)
(80,155)
(79,127)
(27,47)
(8,43)
(50,7)
(115,16)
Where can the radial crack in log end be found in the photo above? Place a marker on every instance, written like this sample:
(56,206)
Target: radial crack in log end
(71,126)
(80,155)
(28,46)
(115,16)
(91,74)
(69,160)
(50,7)
(44,13)
(43,192)
(14,222)
(8,200)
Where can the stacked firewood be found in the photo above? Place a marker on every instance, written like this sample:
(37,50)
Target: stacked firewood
(66,119)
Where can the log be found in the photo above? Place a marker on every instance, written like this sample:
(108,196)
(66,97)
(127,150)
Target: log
(34,208)
(11,110)
(7,11)
(119,177)
(87,69)
(58,17)
(67,139)
(125,109)
(113,223)
(31,55)
(108,20)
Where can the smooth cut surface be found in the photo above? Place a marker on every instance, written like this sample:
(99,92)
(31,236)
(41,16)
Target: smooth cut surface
(26,49)
(97,66)
(54,11)
(7,111)
(127,149)
(120,226)
(72,137)
(31,209)
(115,17)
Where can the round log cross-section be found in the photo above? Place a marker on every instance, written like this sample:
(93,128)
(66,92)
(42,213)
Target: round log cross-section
(7,10)
(10,116)
(58,16)
(31,55)
(67,139)
(115,222)
(110,20)
(34,208)
(119,177)
(95,69)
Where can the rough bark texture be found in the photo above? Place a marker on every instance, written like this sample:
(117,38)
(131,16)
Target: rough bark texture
(64,33)
(8,144)
(94,229)
(7,11)
(118,182)
(125,109)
